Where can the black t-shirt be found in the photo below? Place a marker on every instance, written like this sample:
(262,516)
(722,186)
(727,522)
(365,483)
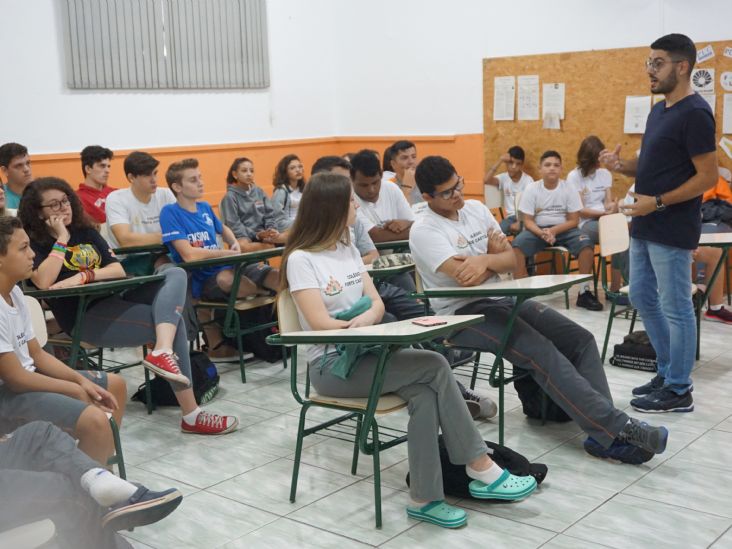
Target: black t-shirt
(86,250)
(673,137)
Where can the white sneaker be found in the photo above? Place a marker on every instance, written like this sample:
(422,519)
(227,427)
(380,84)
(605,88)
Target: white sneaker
(488,408)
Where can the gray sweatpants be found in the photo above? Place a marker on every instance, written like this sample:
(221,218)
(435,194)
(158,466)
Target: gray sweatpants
(40,470)
(425,381)
(129,320)
(561,355)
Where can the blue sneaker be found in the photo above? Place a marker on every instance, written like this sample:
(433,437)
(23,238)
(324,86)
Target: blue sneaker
(143,507)
(619,451)
(664,400)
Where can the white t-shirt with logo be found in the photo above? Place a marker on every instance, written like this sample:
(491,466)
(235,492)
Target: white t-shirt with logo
(434,239)
(549,207)
(124,209)
(16,329)
(591,188)
(338,274)
(390,205)
(510,189)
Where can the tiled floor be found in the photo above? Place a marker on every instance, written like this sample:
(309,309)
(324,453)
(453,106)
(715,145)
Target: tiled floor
(236,487)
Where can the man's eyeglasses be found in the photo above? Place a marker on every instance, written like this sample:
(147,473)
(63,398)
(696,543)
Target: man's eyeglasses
(449,193)
(655,65)
(56,205)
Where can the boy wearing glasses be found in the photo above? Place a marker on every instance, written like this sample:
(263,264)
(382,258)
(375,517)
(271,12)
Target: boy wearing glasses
(551,216)
(459,242)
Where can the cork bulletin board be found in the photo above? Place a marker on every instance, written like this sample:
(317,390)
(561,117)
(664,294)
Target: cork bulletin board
(596,85)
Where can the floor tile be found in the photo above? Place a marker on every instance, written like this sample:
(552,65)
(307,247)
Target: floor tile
(336,456)
(724,541)
(562,541)
(285,534)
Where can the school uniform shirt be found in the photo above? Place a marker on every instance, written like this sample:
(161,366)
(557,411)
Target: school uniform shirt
(549,207)
(673,137)
(287,201)
(86,250)
(434,239)
(12,200)
(592,189)
(337,274)
(415,195)
(360,237)
(199,228)
(94,200)
(123,208)
(16,329)
(390,205)
(247,212)
(510,189)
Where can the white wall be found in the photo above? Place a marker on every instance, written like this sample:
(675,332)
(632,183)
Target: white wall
(338,67)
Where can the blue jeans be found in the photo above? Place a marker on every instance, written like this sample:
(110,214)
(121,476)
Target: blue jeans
(660,288)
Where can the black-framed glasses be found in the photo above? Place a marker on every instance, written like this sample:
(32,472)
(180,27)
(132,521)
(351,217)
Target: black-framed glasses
(655,65)
(56,205)
(449,193)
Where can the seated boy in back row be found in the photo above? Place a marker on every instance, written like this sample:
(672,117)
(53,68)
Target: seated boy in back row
(551,215)
(189,230)
(511,182)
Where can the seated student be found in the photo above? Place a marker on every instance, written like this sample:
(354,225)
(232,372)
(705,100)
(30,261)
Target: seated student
(383,208)
(387,172)
(96,163)
(70,252)
(715,216)
(190,228)
(289,182)
(511,182)
(403,161)
(249,213)
(328,280)
(459,242)
(594,185)
(716,312)
(551,213)
(50,478)
(15,167)
(34,385)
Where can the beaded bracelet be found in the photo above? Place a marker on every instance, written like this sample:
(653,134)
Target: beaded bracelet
(91,275)
(59,255)
(59,247)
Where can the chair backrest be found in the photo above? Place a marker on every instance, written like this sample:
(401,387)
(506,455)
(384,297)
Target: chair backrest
(614,237)
(493,197)
(287,318)
(38,319)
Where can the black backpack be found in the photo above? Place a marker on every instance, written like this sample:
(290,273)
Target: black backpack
(635,352)
(455,480)
(531,396)
(205,384)
(256,342)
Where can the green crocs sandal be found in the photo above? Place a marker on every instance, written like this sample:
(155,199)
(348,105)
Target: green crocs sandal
(439,513)
(507,487)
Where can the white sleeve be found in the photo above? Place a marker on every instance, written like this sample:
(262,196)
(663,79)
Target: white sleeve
(573,181)
(528,200)
(432,248)
(169,197)
(301,273)
(116,210)
(574,202)
(365,220)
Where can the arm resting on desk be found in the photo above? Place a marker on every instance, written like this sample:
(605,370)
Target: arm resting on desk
(44,278)
(474,270)
(382,234)
(127,237)
(189,253)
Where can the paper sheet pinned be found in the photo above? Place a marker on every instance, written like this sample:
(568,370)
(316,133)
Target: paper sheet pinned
(704,54)
(504,91)
(711,99)
(702,80)
(727,114)
(553,100)
(528,97)
(637,109)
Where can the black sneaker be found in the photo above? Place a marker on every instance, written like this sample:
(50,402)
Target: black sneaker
(620,451)
(645,436)
(664,400)
(654,385)
(588,300)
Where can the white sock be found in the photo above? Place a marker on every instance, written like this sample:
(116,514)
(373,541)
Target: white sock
(190,419)
(161,351)
(489,476)
(105,488)
(715,307)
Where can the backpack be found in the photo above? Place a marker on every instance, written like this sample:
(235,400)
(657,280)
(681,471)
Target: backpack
(205,381)
(531,396)
(635,352)
(455,480)
(256,342)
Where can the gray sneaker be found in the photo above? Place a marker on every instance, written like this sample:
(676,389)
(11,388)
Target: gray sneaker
(645,436)
(487,408)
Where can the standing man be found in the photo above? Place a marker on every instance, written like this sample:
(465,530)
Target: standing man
(15,167)
(96,163)
(677,163)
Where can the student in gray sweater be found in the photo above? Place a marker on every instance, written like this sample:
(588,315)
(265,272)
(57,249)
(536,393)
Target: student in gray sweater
(256,223)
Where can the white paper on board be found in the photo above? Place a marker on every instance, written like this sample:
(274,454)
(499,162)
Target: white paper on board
(637,109)
(725,80)
(728,52)
(702,80)
(727,114)
(711,99)
(528,97)
(704,54)
(504,91)
(726,145)
(553,100)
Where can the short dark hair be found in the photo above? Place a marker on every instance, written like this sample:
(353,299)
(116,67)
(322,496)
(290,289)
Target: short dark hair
(140,163)
(517,153)
(679,47)
(365,162)
(327,163)
(549,154)
(174,173)
(92,154)
(9,151)
(8,225)
(433,171)
(400,146)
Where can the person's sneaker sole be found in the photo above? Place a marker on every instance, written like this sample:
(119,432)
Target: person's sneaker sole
(678,409)
(143,513)
(473,408)
(632,455)
(175,378)
(716,319)
(229,429)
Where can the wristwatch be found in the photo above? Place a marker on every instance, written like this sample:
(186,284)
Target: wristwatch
(660,206)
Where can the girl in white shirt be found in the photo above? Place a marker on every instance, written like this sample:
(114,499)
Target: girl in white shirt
(289,182)
(326,277)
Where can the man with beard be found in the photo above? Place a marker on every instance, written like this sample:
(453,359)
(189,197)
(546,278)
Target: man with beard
(677,163)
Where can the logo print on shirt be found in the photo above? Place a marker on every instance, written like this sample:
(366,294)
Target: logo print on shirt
(207,219)
(461,242)
(333,287)
(83,257)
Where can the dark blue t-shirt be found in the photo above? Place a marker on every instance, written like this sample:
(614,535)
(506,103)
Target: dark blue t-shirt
(673,137)
(199,229)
